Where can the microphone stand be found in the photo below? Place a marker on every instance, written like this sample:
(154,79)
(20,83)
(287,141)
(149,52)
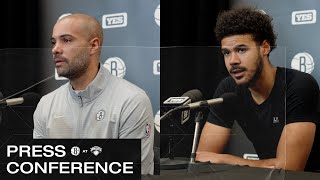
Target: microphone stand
(196,167)
(172,162)
(193,166)
(199,118)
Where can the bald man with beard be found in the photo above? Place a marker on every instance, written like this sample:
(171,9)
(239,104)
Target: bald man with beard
(94,103)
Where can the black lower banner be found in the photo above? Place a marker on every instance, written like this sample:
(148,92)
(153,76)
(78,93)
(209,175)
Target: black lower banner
(22,157)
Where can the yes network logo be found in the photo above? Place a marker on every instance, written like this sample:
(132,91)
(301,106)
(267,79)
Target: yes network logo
(114,20)
(304,17)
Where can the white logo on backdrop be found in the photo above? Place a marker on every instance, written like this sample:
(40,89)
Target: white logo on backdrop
(114,20)
(64,15)
(157,15)
(116,66)
(156,67)
(157,121)
(262,11)
(304,17)
(303,62)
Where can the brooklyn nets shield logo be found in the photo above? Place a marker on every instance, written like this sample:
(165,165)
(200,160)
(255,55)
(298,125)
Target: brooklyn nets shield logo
(148,130)
(75,150)
(100,115)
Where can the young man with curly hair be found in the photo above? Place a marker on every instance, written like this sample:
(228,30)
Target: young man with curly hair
(277,110)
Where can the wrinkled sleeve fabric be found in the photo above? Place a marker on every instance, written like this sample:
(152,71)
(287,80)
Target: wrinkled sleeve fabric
(137,122)
(39,130)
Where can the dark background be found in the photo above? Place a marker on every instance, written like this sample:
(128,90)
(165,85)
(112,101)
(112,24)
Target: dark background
(187,29)
(20,31)
(191,59)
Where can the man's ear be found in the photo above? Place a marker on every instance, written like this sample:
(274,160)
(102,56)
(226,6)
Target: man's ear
(266,48)
(95,45)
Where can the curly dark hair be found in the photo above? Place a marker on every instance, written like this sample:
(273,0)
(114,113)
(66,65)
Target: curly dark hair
(246,20)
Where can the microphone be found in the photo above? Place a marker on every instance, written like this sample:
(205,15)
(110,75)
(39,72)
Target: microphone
(225,98)
(27,98)
(194,95)
(188,97)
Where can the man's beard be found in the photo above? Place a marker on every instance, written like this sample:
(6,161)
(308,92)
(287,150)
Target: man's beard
(76,67)
(257,74)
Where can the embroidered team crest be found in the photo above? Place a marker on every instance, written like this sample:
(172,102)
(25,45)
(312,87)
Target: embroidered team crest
(275,120)
(96,150)
(148,130)
(100,115)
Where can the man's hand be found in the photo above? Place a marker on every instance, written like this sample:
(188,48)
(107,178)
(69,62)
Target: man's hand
(205,156)
(292,152)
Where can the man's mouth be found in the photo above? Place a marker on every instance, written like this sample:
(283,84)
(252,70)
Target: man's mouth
(59,61)
(238,73)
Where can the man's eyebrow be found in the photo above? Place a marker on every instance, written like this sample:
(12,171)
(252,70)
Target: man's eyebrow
(62,36)
(65,35)
(240,46)
(234,47)
(224,49)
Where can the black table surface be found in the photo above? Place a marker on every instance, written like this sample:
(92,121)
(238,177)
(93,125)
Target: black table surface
(235,173)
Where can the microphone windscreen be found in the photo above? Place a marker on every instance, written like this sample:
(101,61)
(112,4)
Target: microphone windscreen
(230,97)
(195,95)
(31,98)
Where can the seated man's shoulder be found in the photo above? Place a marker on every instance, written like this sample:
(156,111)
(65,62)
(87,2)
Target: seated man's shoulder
(47,101)
(300,78)
(125,89)
(227,85)
(56,93)
(301,87)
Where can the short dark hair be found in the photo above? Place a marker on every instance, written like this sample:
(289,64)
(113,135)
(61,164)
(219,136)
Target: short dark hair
(246,20)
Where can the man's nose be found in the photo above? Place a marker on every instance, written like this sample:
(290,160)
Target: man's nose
(57,49)
(234,59)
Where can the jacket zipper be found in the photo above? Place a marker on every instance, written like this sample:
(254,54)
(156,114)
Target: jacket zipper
(79,118)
